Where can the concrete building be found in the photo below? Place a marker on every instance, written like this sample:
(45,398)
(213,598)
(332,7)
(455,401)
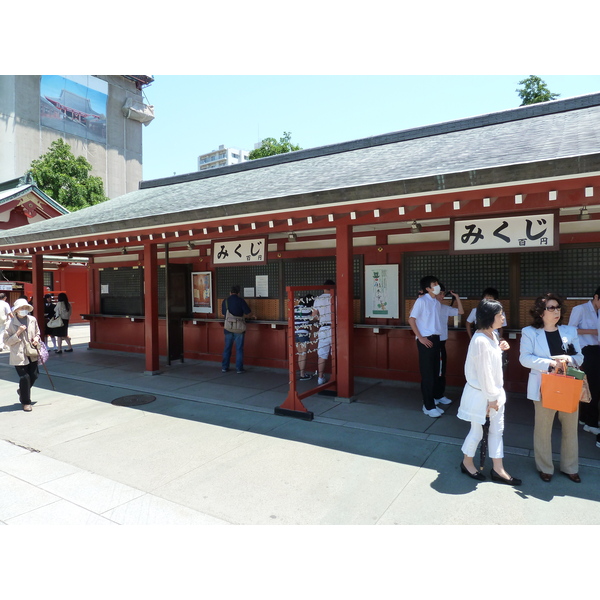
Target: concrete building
(222,157)
(99,116)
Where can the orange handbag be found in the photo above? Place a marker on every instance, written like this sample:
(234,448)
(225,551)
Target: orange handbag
(561,391)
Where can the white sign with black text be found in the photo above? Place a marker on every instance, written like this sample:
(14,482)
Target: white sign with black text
(526,232)
(232,252)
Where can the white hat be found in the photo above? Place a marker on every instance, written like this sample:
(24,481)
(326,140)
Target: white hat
(21,303)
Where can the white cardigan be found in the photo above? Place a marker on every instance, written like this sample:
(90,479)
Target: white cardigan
(485,380)
(535,354)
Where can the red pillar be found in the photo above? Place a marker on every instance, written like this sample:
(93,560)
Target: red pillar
(93,280)
(345,314)
(151,307)
(37,268)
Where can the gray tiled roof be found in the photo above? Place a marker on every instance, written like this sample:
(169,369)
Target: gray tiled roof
(544,132)
(9,194)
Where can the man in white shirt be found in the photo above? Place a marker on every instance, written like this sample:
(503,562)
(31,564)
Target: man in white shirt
(426,323)
(322,312)
(5,316)
(586,319)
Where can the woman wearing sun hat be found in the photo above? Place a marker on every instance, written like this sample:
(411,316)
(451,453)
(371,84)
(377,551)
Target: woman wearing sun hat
(22,336)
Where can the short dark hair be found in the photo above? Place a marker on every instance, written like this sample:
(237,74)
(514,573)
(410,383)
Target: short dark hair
(539,306)
(597,292)
(329,282)
(427,281)
(2,295)
(486,313)
(235,289)
(493,292)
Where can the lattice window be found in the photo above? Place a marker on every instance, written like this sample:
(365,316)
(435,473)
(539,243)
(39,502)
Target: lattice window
(122,291)
(573,272)
(468,275)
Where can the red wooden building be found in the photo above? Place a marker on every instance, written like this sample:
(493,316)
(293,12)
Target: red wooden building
(509,200)
(23,203)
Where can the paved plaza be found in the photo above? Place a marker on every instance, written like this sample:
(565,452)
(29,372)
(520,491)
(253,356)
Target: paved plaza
(209,450)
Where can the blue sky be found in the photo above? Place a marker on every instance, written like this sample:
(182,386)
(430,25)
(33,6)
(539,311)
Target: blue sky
(195,114)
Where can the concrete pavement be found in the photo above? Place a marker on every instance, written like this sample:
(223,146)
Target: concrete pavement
(209,451)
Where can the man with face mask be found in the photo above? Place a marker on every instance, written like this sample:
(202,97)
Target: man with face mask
(426,323)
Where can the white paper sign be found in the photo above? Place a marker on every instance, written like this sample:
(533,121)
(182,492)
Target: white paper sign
(381,292)
(262,286)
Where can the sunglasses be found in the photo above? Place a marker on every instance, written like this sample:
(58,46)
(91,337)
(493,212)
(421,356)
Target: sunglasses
(553,308)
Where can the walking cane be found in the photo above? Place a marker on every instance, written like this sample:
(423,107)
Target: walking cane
(50,378)
(484,443)
(44,354)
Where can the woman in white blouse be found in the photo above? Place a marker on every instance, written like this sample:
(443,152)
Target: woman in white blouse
(484,395)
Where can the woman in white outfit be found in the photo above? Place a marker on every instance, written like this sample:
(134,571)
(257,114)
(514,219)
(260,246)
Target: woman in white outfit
(484,394)
(542,344)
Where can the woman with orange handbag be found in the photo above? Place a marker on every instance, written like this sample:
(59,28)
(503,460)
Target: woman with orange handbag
(544,343)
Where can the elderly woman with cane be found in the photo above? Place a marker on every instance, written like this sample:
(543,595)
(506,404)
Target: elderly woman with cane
(484,396)
(22,336)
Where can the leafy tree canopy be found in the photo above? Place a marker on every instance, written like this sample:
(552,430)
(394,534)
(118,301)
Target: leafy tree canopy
(534,90)
(66,178)
(271,146)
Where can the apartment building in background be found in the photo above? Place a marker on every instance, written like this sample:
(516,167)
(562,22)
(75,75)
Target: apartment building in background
(222,157)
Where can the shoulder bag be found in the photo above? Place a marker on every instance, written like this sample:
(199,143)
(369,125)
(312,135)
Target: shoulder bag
(55,321)
(30,350)
(232,323)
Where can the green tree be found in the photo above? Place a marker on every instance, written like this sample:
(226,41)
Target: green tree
(534,90)
(66,178)
(271,146)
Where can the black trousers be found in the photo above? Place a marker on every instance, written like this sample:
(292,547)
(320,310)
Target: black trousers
(588,413)
(27,376)
(429,367)
(440,384)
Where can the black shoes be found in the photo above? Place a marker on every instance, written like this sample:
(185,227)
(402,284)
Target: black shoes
(498,479)
(572,476)
(478,476)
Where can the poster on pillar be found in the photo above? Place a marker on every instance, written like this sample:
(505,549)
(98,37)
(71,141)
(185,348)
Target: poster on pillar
(381,292)
(201,292)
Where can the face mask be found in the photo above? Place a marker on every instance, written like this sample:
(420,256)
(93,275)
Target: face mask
(22,313)
(436,290)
